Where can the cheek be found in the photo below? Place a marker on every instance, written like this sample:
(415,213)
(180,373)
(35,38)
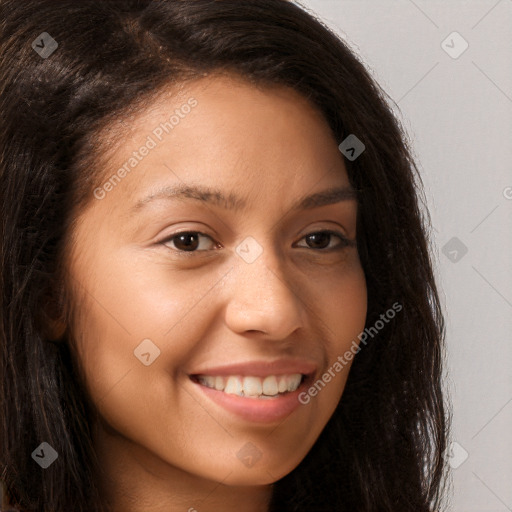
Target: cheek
(343,296)
(343,309)
(122,319)
(134,300)
(125,313)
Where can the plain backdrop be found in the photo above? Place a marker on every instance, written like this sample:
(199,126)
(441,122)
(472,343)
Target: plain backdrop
(448,67)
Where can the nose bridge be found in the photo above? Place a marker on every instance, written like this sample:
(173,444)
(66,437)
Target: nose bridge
(265,274)
(261,297)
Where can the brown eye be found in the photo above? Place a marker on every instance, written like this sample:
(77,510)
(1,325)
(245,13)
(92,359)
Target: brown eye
(321,239)
(186,241)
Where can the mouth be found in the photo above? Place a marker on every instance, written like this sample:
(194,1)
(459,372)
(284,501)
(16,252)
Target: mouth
(263,392)
(264,399)
(270,387)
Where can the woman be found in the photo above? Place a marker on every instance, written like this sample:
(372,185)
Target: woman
(216,285)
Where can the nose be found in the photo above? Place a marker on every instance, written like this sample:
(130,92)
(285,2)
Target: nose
(262,299)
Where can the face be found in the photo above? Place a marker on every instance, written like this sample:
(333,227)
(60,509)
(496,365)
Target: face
(204,265)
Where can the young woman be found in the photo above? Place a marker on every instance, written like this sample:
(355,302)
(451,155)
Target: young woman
(217,292)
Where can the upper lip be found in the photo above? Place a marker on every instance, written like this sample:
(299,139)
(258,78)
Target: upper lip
(261,368)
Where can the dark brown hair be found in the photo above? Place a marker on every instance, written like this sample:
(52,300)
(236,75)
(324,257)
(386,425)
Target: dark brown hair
(382,448)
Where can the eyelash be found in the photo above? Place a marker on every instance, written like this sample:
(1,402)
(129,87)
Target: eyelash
(344,242)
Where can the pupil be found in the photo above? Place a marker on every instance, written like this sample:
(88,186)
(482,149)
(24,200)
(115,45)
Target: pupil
(187,244)
(318,238)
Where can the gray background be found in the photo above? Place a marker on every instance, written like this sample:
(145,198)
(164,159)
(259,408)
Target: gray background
(458,114)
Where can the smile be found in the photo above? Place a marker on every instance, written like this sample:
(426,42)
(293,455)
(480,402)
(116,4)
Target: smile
(271,386)
(259,400)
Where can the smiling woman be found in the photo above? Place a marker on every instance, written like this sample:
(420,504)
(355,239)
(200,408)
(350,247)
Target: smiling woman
(217,292)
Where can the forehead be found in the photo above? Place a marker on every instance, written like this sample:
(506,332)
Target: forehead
(225,133)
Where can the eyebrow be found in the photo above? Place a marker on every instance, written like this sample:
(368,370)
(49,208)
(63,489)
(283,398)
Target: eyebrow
(230,202)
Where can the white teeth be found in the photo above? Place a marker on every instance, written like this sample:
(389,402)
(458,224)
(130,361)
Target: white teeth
(270,385)
(251,386)
(283,384)
(234,385)
(294,381)
(219,383)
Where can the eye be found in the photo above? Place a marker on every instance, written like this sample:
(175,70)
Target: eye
(190,241)
(187,241)
(320,240)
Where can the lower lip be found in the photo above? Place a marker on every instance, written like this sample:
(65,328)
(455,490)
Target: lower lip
(266,410)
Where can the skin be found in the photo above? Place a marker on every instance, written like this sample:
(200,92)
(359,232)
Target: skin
(163,444)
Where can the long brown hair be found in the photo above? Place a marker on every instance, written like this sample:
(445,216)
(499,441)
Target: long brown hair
(382,448)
